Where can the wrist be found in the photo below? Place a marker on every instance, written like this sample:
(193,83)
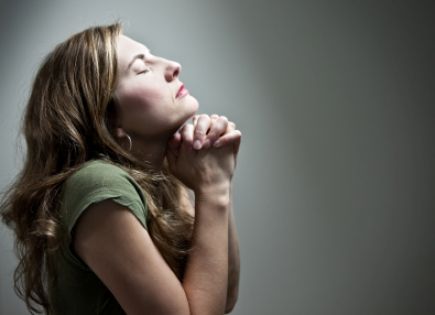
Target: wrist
(216,193)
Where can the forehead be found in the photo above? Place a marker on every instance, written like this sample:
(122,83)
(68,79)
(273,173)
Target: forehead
(127,48)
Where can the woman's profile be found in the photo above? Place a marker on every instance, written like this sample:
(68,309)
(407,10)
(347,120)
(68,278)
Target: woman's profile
(122,205)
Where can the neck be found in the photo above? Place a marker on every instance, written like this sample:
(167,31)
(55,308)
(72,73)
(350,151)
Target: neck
(153,151)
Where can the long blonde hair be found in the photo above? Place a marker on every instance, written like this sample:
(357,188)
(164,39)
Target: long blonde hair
(68,120)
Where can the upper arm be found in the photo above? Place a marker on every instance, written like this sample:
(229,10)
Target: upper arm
(113,243)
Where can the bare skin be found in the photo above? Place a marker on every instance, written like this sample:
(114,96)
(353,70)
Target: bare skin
(210,138)
(155,119)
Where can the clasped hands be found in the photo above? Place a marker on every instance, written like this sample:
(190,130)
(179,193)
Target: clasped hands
(207,131)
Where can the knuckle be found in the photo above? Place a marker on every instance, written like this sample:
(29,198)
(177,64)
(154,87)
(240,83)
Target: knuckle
(224,122)
(199,132)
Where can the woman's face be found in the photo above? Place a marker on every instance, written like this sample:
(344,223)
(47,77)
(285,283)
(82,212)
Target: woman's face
(145,94)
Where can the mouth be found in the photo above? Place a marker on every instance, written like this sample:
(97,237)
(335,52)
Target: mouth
(181,91)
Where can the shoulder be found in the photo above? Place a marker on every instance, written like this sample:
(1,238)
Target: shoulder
(97,180)
(96,170)
(98,174)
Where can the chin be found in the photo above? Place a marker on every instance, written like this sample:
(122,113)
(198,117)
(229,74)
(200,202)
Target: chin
(189,109)
(191,106)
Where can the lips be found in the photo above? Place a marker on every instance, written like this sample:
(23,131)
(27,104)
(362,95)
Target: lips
(180,90)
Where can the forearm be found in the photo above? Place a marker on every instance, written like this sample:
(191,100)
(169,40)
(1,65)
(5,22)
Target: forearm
(233,262)
(206,276)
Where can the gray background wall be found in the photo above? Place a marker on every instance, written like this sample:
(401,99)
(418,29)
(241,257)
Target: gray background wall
(334,189)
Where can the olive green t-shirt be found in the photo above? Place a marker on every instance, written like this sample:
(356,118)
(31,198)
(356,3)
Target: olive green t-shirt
(77,289)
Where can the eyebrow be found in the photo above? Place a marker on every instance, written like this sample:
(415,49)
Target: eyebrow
(138,56)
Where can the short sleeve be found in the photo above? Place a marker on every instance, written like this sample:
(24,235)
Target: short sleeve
(94,182)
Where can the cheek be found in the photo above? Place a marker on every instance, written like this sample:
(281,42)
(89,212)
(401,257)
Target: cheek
(145,109)
(143,99)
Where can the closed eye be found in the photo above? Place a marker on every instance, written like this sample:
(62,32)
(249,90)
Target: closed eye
(144,71)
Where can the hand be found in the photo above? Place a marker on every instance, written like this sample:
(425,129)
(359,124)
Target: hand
(207,166)
(220,132)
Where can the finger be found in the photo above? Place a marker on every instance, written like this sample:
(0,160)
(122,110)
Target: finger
(228,138)
(172,152)
(201,128)
(231,126)
(236,144)
(195,119)
(175,141)
(218,127)
(187,134)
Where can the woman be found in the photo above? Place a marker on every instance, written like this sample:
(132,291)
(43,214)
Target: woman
(101,208)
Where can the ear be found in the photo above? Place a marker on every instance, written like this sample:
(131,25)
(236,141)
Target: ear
(115,117)
(120,132)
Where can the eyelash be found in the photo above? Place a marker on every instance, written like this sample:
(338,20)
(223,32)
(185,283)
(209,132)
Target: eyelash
(146,70)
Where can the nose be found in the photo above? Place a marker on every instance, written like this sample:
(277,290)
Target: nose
(172,70)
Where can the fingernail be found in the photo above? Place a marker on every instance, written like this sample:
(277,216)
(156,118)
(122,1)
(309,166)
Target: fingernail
(217,144)
(197,144)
